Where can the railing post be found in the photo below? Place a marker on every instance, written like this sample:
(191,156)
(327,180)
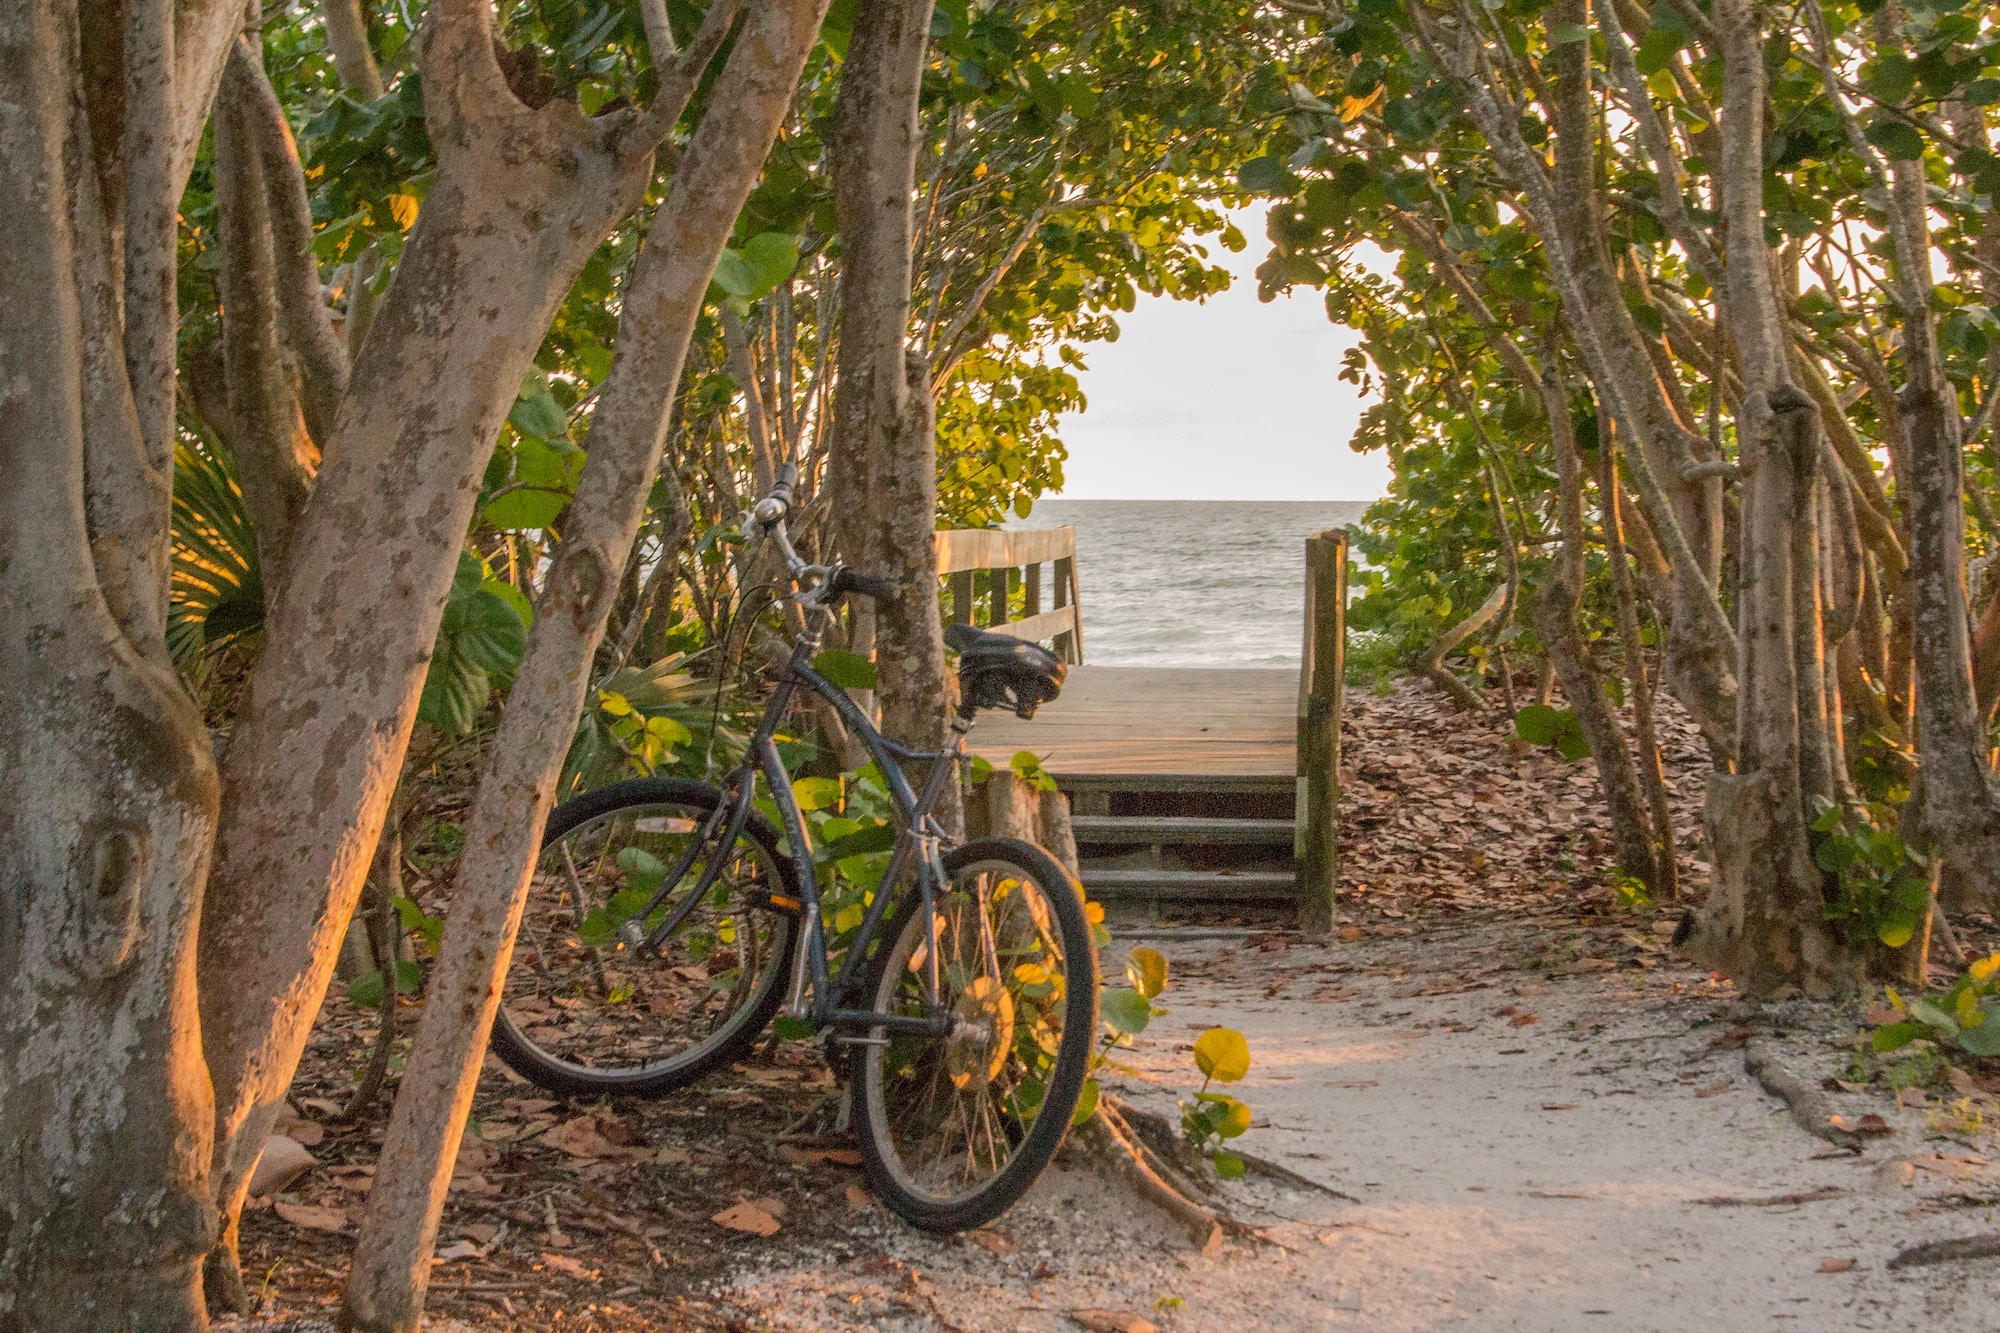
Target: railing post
(1322,661)
(996,588)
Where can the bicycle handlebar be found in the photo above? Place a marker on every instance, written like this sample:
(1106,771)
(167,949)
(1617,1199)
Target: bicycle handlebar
(835,581)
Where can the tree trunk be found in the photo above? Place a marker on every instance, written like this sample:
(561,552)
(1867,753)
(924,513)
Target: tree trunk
(1665,880)
(522,197)
(1960,813)
(105,832)
(885,447)
(503,838)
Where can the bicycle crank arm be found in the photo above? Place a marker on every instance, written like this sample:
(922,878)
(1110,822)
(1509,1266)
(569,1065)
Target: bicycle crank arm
(937,1025)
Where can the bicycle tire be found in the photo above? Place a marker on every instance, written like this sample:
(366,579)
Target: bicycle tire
(892,1181)
(729,1041)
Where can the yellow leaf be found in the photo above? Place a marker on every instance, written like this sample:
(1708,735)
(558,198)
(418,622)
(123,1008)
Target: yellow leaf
(1147,970)
(404,208)
(1351,108)
(1031,974)
(1094,913)
(613,703)
(847,918)
(1222,1054)
(1985,967)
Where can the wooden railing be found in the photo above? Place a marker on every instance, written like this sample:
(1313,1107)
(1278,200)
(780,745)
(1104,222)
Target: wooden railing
(1317,831)
(985,568)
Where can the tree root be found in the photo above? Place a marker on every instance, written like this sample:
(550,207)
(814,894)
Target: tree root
(1811,1111)
(1944,1251)
(1203,1227)
(1946,939)
(1158,1138)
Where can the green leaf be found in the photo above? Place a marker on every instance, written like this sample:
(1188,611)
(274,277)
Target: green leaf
(1263,175)
(1125,1010)
(1900,141)
(1222,1054)
(1569,33)
(872,838)
(537,415)
(1227,1116)
(1538,724)
(850,671)
(1086,1105)
(786,1028)
(1929,1014)
(1895,929)
(1571,743)
(366,989)
(770,256)
(480,638)
(735,275)
(816,793)
(1146,968)
(1895,1036)
(1891,76)
(1228,1165)
(1983,1039)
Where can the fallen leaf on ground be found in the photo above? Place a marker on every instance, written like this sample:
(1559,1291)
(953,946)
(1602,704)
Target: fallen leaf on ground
(1714,1089)
(1558,1106)
(1732,1040)
(1881,1018)
(1835,1266)
(562,1263)
(320,1104)
(747,1218)
(992,1242)
(1960,1080)
(579,1138)
(310,1216)
(859,1198)
(1522,1020)
(1348,935)
(1867,1124)
(835,1156)
(458,1249)
(305,1133)
(1112,1321)
(480,1233)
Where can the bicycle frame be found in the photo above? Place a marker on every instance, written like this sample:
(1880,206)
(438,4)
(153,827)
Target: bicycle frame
(918,839)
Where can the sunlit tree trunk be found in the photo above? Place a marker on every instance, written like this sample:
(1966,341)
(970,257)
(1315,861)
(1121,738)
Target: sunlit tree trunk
(522,197)
(503,838)
(884,458)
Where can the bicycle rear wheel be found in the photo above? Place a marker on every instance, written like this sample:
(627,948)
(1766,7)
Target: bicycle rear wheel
(583,1012)
(955,1130)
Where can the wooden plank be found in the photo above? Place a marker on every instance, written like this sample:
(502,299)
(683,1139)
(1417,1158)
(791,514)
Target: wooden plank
(1031,590)
(1036,628)
(1196,723)
(990,548)
(1175,829)
(1189,885)
(997,581)
(961,597)
(1318,751)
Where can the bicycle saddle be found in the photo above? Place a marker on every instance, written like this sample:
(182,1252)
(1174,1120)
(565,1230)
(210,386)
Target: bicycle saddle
(995,671)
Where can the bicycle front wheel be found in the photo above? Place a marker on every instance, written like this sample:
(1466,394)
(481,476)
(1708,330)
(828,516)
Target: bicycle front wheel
(954,1130)
(583,1012)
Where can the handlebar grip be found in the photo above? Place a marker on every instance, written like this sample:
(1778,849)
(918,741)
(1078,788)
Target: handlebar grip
(788,476)
(844,580)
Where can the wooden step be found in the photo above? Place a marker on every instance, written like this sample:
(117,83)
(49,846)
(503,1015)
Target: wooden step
(1191,885)
(1159,830)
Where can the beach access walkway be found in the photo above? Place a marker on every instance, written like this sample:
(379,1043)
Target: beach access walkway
(1187,785)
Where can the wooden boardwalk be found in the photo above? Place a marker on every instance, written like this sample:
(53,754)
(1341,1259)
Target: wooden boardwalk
(1160,728)
(1185,784)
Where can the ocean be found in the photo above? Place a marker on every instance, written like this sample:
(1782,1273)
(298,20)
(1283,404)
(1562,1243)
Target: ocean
(1192,582)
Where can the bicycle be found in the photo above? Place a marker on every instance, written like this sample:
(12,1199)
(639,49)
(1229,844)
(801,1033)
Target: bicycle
(669,921)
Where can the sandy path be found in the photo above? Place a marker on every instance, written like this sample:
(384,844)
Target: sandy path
(1540,1175)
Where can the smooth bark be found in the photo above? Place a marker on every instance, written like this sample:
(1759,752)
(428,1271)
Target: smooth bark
(884,455)
(521,199)
(503,838)
(111,800)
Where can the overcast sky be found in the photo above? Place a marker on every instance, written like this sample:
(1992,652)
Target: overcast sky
(1231,399)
